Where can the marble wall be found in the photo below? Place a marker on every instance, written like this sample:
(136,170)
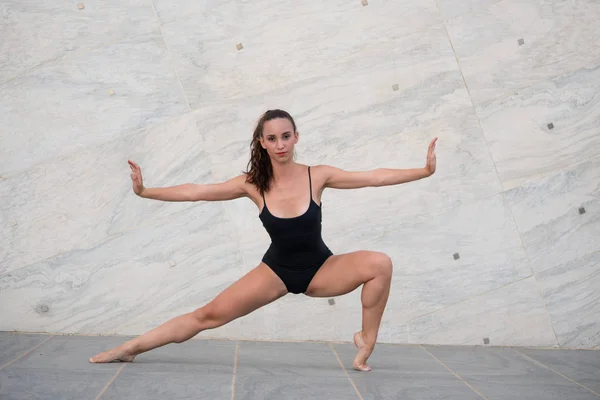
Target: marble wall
(510,87)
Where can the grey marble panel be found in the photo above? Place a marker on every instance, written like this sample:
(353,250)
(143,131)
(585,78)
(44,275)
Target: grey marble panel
(583,366)
(545,128)
(14,345)
(162,385)
(34,33)
(288,359)
(287,43)
(47,384)
(70,353)
(191,357)
(64,107)
(290,387)
(290,370)
(559,37)
(130,282)
(77,201)
(501,373)
(406,372)
(512,315)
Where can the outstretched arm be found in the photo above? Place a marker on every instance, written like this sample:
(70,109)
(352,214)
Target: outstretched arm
(228,190)
(339,179)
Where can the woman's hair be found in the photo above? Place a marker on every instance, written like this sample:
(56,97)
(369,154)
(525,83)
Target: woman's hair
(260,170)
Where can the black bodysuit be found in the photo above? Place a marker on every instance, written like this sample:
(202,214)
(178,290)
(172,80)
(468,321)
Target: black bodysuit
(297,249)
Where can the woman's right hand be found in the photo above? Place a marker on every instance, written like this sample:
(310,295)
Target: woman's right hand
(136,178)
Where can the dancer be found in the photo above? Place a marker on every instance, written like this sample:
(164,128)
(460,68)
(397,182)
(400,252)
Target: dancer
(287,195)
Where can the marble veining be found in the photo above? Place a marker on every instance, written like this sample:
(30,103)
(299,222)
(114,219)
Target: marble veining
(149,274)
(381,128)
(63,108)
(573,300)
(327,39)
(82,91)
(559,37)
(426,276)
(512,315)
(516,127)
(76,201)
(563,247)
(547,215)
(454,8)
(47,31)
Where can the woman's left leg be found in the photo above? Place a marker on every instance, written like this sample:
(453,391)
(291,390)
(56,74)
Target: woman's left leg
(341,274)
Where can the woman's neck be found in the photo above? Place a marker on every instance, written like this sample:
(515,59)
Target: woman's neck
(283,172)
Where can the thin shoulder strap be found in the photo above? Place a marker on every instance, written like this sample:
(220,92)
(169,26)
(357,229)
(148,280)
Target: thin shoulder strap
(309,182)
(263,196)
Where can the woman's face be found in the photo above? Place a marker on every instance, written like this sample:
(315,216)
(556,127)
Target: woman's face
(279,139)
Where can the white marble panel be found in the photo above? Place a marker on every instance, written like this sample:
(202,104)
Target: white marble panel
(559,37)
(254,239)
(37,32)
(223,18)
(286,43)
(563,246)
(524,147)
(426,276)
(76,201)
(547,214)
(465,172)
(513,315)
(298,317)
(380,128)
(128,283)
(572,295)
(59,109)
(346,316)
(294,317)
(453,8)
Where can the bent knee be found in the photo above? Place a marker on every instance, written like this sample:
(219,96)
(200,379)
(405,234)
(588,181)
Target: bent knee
(383,263)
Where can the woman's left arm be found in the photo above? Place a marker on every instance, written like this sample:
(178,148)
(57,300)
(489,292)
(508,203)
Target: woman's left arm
(339,179)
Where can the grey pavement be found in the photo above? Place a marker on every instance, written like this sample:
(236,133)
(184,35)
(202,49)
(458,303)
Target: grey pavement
(36,366)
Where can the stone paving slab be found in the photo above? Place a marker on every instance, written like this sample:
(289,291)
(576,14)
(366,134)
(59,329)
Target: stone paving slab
(57,368)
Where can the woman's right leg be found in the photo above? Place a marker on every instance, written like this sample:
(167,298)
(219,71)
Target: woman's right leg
(257,288)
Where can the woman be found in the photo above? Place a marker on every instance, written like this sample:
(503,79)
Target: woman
(298,260)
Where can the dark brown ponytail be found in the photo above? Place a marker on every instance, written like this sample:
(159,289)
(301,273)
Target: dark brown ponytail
(260,170)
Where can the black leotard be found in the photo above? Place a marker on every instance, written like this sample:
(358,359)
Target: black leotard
(297,249)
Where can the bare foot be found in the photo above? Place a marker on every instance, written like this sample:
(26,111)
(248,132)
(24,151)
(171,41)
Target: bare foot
(118,354)
(360,361)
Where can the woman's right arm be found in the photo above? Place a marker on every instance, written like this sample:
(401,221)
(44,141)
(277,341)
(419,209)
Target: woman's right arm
(228,190)
(231,189)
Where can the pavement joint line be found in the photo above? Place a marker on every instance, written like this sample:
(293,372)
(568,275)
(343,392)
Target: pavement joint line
(556,372)
(24,354)
(455,374)
(111,381)
(346,372)
(235,365)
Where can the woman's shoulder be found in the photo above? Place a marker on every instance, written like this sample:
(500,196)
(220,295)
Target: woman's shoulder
(320,174)
(321,169)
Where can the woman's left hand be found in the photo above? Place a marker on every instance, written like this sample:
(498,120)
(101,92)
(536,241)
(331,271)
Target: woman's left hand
(431,161)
